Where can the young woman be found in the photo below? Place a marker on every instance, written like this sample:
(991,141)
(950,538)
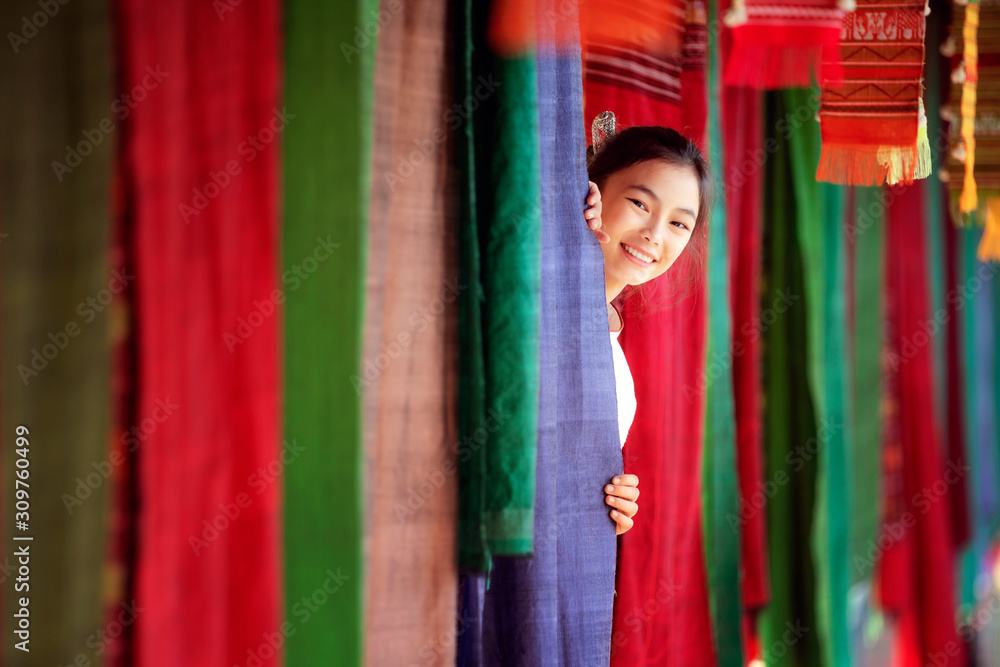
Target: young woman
(648,201)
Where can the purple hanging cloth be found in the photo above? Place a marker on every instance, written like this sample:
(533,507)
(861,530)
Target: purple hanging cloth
(555,607)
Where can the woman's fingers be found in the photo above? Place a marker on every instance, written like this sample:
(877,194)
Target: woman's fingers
(624,522)
(626,507)
(626,492)
(626,480)
(592,214)
(594,194)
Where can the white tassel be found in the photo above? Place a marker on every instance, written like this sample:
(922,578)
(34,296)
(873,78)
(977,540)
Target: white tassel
(948,47)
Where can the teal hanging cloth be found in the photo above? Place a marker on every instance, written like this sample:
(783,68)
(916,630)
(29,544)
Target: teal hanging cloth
(509,220)
(720,482)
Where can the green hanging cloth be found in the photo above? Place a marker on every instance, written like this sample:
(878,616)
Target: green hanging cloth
(499,247)
(720,485)
(819,225)
(472,551)
(865,235)
(55,221)
(326,157)
(790,429)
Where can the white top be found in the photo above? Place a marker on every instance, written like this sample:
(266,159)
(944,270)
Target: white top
(624,387)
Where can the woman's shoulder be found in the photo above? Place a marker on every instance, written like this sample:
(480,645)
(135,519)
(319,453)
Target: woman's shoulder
(615,320)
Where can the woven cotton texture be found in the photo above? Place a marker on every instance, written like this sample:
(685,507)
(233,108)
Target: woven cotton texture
(555,607)
(55,347)
(870,119)
(410,309)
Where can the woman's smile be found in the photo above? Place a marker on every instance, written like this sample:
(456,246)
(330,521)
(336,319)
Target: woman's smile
(637,256)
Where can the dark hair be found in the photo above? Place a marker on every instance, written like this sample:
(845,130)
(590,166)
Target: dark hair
(644,143)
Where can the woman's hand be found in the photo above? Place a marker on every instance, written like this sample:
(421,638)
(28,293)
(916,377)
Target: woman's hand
(593,213)
(622,494)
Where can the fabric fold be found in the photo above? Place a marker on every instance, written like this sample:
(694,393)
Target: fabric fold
(412,288)
(56,274)
(326,172)
(555,607)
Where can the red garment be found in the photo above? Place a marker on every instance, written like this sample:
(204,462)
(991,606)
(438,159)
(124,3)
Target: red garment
(744,156)
(662,608)
(662,605)
(917,563)
(201,152)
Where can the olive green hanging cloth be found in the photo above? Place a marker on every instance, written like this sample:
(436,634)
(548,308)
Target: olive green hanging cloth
(54,246)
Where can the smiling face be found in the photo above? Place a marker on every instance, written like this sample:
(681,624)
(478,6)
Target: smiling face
(649,211)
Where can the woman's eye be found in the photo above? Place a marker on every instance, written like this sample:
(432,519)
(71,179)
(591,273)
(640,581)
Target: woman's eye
(638,203)
(680,224)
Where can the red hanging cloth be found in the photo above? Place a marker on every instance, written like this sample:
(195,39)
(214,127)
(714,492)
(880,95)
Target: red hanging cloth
(202,119)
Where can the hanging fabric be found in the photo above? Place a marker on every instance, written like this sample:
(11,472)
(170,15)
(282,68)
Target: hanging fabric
(633,59)
(971,276)
(819,218)
(206,239)
(326,174)
(500,199)
(54,266)
(955,389)
(742,134)
(472,551)
(554,608)
(865,238)
(412,288)
(870,119)
(915,564)
(784,43)
(721,489)
(936,89)
(790,428)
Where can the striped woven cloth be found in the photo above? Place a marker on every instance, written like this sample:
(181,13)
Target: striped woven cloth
(870,119)
(634,57)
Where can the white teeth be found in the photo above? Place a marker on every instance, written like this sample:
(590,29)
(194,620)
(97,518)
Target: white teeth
(638,255)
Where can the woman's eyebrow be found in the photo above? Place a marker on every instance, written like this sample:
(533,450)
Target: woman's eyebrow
(643,188)
(686,210)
